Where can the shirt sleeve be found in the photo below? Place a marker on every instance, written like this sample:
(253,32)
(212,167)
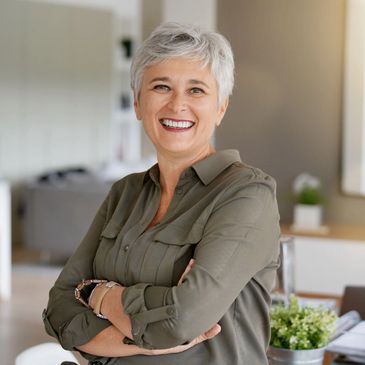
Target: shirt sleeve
(240,239)
(65,318)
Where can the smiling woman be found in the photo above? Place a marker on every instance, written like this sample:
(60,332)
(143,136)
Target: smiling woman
(178,104)
(181,257)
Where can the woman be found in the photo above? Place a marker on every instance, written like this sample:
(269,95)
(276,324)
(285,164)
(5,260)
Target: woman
(195,203)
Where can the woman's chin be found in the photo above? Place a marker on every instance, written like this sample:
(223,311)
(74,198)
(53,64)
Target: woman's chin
(183,150)
(175,151)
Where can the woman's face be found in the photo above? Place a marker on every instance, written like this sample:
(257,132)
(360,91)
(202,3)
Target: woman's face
(178,105)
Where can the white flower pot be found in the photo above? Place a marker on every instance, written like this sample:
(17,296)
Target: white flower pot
(307,216)
(279,356)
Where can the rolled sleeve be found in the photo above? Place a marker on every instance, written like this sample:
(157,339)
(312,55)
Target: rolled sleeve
(65,318)
(240,240)
(134,302)
(81,329)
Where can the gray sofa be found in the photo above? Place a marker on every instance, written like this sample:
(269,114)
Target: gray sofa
(58,213)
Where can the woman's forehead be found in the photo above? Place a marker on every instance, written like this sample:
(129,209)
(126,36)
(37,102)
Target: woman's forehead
(173,68)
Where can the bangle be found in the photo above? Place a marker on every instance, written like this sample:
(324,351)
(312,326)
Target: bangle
(99,301)
(82,285)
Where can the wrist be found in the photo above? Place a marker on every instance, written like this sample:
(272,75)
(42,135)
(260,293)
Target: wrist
(100,295)
(111,302)
(112,308)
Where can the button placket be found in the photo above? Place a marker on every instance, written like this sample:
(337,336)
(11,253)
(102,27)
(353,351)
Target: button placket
(133,234)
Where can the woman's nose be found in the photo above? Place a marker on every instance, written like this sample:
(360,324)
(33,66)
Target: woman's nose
(177,102)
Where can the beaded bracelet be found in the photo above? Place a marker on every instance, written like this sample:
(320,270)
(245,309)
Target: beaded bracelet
(98,282)
(82,285)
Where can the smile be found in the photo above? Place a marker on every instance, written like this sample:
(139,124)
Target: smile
(176,124)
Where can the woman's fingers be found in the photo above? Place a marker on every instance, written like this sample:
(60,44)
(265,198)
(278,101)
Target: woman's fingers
(187,269)
(212,332)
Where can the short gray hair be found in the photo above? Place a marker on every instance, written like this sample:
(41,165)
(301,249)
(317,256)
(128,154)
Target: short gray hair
(170,40)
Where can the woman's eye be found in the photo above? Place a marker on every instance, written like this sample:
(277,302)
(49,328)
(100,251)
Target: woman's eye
(197,90)
(161,88)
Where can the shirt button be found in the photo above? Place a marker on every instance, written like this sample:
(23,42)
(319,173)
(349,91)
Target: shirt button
(170,311)
(179,190)
(126,248)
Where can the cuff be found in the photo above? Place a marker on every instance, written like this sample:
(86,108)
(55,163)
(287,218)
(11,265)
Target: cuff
(134,301)
(80,330)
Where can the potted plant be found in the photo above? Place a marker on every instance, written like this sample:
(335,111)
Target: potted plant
(308,208)
(299,335)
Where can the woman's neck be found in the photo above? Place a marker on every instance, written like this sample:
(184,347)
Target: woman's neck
(171,167)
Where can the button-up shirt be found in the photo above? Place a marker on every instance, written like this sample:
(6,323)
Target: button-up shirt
(224,215)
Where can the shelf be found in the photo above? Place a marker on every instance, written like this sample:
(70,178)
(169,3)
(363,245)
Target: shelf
(126,137)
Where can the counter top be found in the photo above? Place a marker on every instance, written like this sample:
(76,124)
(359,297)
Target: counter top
(335,231)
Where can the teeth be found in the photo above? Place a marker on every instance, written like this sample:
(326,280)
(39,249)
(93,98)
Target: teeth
(175,124)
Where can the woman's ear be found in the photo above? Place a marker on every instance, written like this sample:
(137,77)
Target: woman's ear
(137,108)
(221,111)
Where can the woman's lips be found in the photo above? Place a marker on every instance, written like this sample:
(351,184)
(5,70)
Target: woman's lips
(176,125)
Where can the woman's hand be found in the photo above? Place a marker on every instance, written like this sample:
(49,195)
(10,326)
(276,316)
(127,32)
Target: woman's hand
(174,350)
(187,270)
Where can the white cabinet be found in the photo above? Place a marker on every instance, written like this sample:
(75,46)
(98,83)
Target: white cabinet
(327,265)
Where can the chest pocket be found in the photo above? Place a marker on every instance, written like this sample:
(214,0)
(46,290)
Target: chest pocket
(106,254)
(172,246)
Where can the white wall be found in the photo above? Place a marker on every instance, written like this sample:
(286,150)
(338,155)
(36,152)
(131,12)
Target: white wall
(202,12)
(55,85)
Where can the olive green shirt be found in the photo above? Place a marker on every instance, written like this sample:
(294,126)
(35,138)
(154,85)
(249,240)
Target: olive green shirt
(223,214)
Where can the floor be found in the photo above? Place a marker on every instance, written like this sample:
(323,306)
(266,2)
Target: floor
(20,318)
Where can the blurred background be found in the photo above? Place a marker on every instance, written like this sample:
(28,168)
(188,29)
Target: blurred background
(67,127)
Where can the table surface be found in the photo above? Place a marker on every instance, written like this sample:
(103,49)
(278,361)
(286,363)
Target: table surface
(335,231)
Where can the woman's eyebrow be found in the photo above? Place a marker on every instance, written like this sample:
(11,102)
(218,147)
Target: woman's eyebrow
(167,79)
(160,79)
(199,82)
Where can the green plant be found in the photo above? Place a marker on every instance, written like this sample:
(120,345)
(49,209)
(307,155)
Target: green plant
(301,328)
(307,189)
(309,196)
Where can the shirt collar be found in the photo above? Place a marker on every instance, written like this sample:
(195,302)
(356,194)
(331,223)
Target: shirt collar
(153,173)
(207,169)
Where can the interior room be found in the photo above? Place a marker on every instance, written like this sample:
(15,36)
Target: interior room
(68,131)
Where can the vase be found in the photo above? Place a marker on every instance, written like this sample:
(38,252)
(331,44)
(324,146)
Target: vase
(307,216)
(278,356)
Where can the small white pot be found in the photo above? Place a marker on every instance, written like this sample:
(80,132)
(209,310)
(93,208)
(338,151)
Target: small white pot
(307,216)
(278,356)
